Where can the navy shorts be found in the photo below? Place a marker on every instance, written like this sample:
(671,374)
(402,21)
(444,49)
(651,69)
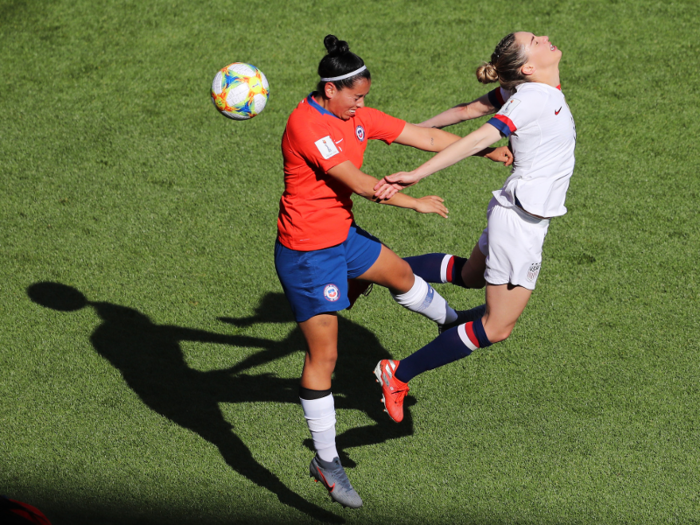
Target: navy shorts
(316,282)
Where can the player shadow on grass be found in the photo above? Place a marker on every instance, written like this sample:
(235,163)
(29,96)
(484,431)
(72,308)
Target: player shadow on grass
(151,362)
(353,380)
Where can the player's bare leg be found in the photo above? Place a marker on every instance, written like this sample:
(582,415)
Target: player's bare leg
(504,304)
(473,270)
(390,271)
(321,333)
(407,289)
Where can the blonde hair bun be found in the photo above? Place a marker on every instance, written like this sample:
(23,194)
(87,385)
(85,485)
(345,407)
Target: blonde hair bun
(486,73)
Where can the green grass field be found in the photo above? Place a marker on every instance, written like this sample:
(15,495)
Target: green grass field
(164,390)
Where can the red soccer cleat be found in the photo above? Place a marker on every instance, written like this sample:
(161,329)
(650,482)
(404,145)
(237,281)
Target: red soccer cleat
(393,390)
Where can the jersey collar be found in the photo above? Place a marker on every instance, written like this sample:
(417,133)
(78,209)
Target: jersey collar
(318,107)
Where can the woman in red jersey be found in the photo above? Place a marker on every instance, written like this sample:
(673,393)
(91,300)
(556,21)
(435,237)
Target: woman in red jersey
(319,246)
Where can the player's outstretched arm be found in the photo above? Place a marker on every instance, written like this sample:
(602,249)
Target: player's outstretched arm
(426,139)
(363,185)
(476,108)
(473,143)
(430,139)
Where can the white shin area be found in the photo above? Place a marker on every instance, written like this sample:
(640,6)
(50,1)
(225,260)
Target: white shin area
(320,416)
(423,299)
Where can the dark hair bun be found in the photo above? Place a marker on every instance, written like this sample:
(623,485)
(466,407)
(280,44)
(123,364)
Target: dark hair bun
(339,61)
(334,46)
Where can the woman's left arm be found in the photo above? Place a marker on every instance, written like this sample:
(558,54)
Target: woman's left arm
(480,107)
(433,139)
(426,139)
(465,147)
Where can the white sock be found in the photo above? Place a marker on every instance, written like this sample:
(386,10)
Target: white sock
(320,416)
(423,298)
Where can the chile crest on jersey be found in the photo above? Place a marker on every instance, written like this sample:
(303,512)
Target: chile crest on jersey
(360,133)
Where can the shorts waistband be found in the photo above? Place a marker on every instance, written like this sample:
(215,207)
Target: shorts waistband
(519,207)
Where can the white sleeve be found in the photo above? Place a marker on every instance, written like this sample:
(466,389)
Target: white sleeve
(518,111)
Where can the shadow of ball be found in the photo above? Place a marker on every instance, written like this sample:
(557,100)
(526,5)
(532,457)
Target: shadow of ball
(57,296)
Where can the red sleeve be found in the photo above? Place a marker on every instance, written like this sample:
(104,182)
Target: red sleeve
(380,126)
(314,142)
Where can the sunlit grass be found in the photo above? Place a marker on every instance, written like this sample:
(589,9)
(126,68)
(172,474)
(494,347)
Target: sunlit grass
(167,392)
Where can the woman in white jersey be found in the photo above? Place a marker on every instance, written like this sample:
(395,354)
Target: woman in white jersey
(508,255)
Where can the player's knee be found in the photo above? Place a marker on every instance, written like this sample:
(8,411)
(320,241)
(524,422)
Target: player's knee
(402,279)
(323,359)
(406,272)
(498,333)
(329,359)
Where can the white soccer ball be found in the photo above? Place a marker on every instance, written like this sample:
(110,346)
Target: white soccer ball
(240,91)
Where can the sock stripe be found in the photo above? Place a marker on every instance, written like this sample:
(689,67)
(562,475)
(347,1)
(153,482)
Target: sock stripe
(446,268)
(447,276)
(310,395)
(480,333)
(466,334)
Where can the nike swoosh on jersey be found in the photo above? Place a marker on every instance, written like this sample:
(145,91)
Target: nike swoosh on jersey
(341,140)
(557,111)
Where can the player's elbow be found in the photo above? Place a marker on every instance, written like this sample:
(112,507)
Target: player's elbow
(442,139)
(464,113)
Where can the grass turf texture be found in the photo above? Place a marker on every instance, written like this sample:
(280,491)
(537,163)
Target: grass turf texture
(170,396)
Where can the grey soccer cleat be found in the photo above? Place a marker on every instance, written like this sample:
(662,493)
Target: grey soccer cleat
(463,316)
(333,477)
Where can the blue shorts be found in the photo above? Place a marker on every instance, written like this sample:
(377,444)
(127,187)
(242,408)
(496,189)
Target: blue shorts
(316,282)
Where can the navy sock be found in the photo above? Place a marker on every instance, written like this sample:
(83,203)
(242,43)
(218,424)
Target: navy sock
(456,277)
(430,267)
(469,316)
(479,332)
(427,266)
(446,348)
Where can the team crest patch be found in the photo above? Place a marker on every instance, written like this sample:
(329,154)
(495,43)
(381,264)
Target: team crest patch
(360,132)
(533,271)
(331,293)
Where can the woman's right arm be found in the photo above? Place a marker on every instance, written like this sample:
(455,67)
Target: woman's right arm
(363,185)
(467,146)
(480,107)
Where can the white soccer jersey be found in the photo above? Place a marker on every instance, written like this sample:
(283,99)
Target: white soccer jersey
(543,138)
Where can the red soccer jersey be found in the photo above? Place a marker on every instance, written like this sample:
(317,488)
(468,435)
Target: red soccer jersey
(315,209)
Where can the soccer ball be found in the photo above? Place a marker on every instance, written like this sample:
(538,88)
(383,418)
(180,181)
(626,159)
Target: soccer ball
(240,91)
